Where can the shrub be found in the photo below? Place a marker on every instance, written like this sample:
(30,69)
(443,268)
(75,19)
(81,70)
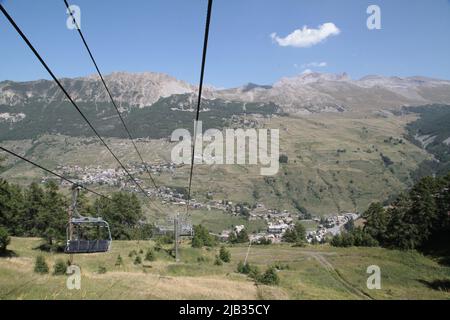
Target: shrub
(280,266)
(165,239)
(101,269)
(224,255)
(240,237)
(251,271)
(283,158)
(137,260)
(40,266)
(119,261)
(132,253)
(270,277)
(59,268)
(141,251)
(358,237)
(296,234)
(240,267)
(150,255)
(4,239)
(202,238)
(218,262)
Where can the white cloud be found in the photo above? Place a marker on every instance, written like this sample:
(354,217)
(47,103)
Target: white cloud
(305,37)
(307,71)
(312,65)
(316,64)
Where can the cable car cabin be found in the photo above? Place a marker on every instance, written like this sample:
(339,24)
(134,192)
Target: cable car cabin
(88,235)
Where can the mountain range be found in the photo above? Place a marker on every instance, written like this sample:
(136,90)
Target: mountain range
(302,94)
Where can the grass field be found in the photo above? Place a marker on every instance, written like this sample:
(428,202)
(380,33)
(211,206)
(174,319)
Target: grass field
(312,272)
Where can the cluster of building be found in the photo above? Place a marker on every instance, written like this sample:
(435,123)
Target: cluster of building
(11,117)
(112,177)
(278,222)
(330,226)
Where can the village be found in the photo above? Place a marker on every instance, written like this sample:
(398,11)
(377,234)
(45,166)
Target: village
(277,221)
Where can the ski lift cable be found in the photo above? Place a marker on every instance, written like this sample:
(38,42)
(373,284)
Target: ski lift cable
(41,60)
(53,173)
(109,93)
(200,88)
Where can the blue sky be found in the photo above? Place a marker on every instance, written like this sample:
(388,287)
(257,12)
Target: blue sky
(166,36)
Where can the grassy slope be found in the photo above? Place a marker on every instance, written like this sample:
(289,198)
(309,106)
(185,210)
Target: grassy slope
(316,177)
(314,272)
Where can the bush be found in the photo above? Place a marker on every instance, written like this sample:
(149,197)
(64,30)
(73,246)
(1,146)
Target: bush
(119,261)
(270,277)
(40,266)
(59,268)
(137,260)
(296,234)
(358,238)
(165,239)
(202,238)
(240,237)
(240,267)
(251,271)
(101,269)
(224,255)
(218,262)
(150,255)
(280,266)
(283,158)
(4,239)
(132,253)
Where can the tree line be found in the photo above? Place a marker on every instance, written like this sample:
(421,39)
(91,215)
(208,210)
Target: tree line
(417,219)
(41,211)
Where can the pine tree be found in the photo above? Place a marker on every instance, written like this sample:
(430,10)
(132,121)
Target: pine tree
(4,240)
(224,255)
(40,265)
(202,237)
(377,221)
(297,234)
(119,261)
(34,203)
(400,232)
(52,218)
(423,212)
(59,268)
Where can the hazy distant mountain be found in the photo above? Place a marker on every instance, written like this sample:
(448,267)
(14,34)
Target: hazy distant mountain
(302,94)
(320,92)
